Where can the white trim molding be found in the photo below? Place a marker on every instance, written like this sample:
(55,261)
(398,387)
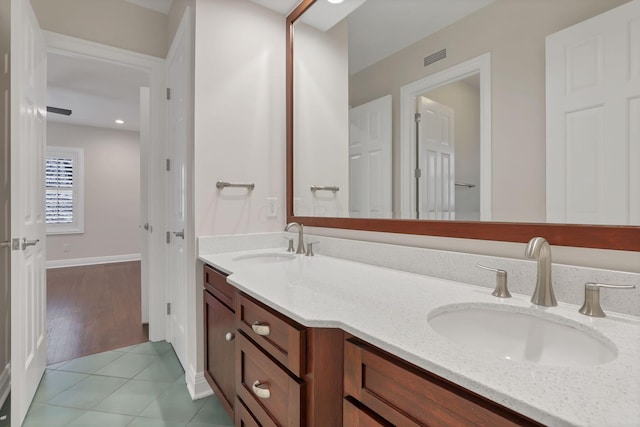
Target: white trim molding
(197,384)
(480,65)
(77,262)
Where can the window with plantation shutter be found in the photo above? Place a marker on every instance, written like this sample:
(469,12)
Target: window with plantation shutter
(63,190)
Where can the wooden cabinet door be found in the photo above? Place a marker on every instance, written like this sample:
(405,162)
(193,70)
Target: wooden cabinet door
(220,350)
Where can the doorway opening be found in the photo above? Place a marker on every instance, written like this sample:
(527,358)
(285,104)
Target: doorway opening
(98,271)
(436,181)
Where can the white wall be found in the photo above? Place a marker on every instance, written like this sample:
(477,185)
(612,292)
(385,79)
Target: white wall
(111,193)
(239,116)
(321,125)
(114,23)
(239,128)
(514,32)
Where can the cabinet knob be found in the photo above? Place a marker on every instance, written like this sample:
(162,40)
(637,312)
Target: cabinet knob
(261,329)
(229,336)
(262,393)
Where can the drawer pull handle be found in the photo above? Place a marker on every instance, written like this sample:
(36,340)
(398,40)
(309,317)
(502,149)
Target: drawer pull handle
(259,329)
(229,336)
(262,393)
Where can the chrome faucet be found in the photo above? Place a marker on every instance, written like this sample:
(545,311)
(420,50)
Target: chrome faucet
(300,249)
(539,249)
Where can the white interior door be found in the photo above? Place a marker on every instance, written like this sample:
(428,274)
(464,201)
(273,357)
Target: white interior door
(593,116)
(146,228)
(5,201)
(436,161)
(178,78)
(370,160)
(28,140)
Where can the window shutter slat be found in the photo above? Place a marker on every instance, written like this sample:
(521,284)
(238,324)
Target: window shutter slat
(59,198)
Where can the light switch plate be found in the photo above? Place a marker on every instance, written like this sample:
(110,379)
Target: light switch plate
(272,207)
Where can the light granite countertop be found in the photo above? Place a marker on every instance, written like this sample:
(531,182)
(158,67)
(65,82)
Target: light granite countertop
(390,309)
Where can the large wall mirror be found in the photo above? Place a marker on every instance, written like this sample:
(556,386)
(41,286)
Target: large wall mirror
(430,117)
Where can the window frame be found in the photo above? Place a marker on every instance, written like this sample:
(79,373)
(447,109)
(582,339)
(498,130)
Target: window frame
(77,155)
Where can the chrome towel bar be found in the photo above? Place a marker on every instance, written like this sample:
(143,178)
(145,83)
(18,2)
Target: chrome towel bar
(333,188)
(222,184)
(462,184)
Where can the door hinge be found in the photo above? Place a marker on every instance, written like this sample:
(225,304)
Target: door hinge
(168,93)
(168,165)
(168,308)
(168,237)
(418,117)
(418,173)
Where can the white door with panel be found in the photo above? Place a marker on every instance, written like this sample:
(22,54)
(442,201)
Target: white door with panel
(28,229)
(593,120)
(177,72)
(370,160)
(436,161)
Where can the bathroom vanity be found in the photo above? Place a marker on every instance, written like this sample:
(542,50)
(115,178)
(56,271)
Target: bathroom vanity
(268,369)
(322,341)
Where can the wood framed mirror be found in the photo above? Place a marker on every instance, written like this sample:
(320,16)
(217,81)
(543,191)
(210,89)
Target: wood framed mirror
(617,237)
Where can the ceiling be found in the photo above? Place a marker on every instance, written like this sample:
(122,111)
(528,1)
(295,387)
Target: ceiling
(379,28)
(97,92)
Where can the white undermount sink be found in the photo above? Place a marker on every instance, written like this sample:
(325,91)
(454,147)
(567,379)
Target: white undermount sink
(267,257)
(521,334)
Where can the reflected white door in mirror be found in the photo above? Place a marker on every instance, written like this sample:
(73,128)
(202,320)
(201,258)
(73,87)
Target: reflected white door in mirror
(593,120)
(370,159)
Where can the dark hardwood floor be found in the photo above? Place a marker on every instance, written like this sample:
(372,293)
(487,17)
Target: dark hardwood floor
(93,308)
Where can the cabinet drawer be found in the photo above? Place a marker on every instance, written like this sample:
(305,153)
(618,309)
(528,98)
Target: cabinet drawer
(216,282)
(244,418)
(271,394)
(354,416)
(281,337)
(405,395)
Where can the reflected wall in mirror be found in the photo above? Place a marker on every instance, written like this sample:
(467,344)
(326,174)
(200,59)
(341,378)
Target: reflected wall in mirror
(354,130)
(513,33)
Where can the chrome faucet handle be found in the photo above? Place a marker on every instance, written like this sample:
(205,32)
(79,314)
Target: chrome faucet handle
(310,248)
(501,290)
(591,306)
(300,249)
(290,246)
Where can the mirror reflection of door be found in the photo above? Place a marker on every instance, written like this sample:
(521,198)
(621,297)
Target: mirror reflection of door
(449,152)
(370,159)
(436,160)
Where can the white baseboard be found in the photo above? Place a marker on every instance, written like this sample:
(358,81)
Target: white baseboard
(76,262)
(197,385)
(5,383)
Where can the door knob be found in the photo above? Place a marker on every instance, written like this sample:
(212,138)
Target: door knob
(6,244)
(179,234)
(26,243)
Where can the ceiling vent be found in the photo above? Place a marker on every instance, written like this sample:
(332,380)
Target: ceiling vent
(435,57)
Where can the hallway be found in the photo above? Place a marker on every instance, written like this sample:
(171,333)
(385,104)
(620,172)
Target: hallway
(91,309)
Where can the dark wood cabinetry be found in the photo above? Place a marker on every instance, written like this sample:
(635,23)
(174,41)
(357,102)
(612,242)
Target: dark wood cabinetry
(402,394)
(220,331)
(270,371)
(301,367)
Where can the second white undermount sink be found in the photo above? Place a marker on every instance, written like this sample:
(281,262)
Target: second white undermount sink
(522,334)
(267,257)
